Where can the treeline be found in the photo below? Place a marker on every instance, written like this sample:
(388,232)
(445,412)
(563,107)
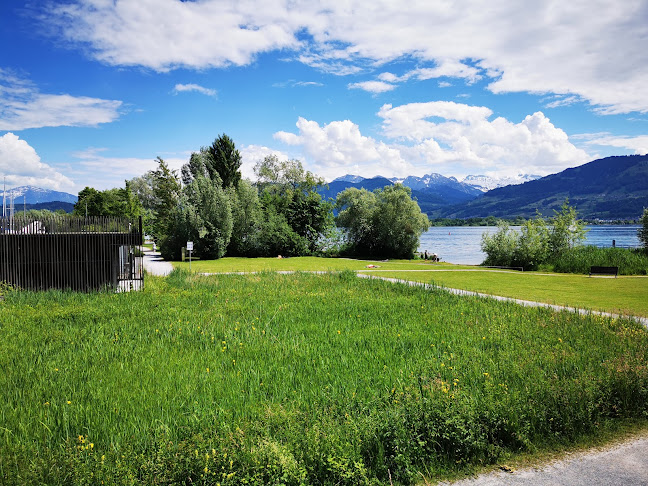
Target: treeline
(281,213)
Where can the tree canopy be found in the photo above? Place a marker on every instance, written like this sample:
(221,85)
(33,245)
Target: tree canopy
(385,223)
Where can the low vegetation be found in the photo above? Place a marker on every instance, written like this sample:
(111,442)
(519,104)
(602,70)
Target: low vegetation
(623,295)
(580,259)
(301,379)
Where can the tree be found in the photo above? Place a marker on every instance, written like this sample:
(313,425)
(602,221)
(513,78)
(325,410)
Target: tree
(246,220)
(642,232)
(166,189)
(212,206)
(290,191)
(119,202)
(90,202)
(385,223)
(566,230)
(538,242)
(222,158)
(500,247)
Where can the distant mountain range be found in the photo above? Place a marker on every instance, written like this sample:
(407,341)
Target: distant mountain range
(432,191)
(36,195)
(609,188)
(31,197)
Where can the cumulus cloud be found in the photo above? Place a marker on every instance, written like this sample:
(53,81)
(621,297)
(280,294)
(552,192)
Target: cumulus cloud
(586,48)
(22,166)
(22,106)
(442,136)
(339,146)
(373,86)
(181,88)
(639,144)
(464,137)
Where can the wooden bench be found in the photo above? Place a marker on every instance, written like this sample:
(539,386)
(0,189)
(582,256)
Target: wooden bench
(604,271)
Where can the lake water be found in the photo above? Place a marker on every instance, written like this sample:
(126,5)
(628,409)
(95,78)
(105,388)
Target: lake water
(461,244)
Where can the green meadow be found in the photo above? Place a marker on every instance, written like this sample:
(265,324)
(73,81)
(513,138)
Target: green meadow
(299,379)
(625,295)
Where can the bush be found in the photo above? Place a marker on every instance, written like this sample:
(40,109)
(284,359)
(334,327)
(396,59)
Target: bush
(537,243)
(580,259)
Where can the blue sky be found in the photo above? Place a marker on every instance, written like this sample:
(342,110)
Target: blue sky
(92,91)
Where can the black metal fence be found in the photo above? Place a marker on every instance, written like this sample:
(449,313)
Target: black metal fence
(77,253)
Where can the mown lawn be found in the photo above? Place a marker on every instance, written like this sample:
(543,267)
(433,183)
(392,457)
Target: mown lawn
(298,379)
(304,264)
(624,295)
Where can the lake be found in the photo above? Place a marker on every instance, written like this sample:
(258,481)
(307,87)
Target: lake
(461,244)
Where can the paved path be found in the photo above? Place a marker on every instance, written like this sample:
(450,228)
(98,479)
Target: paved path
(625,464)
(154,264)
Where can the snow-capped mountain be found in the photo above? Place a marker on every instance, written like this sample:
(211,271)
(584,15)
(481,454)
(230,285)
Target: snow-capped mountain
(486,183)
(36,195)
(349,178)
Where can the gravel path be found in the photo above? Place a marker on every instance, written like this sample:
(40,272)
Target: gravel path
(625,464)
(154,264)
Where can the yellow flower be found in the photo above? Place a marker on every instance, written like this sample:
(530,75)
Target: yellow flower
(69,402)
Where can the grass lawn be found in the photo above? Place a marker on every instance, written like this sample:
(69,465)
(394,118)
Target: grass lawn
(305,264)
(623,295)
(299,379)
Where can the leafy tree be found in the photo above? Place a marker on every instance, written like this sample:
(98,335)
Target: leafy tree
(566,230)
(90,202)
(500,247)
(246,220)
(120,202)
(385,223)
(643,231)
(538,242)
(196,167)
(166,189)
(290,191)
(214,217)
(222,158)
(142,188)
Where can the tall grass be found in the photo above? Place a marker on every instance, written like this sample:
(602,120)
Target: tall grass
(302,379)
(580,258)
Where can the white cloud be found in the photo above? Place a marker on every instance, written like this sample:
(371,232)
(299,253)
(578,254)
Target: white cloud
(373,86)
(593,49)
(639,144)
(339,147)
(446,137)
(105,172)
(181,88)
(460,137)
(251,154)
(22,107)
(22,166)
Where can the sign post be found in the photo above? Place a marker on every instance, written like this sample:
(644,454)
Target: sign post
(190,248)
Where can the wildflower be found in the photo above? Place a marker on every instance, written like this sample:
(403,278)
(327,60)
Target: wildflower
(207,370)
(485,374)
(69,402)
